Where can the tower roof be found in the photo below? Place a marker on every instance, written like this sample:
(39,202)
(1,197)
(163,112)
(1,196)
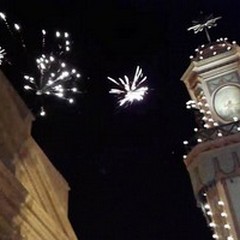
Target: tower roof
(212,49)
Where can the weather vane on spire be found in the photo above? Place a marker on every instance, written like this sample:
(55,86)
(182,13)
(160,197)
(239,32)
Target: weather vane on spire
(204,23)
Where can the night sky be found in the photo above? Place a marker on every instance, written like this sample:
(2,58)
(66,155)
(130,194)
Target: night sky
(124,165)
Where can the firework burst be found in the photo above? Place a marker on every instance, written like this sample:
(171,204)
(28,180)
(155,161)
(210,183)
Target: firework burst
(128,90)
(55,77)
(2,55)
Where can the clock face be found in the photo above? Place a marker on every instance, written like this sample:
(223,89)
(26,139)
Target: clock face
(227,102)
(232,78)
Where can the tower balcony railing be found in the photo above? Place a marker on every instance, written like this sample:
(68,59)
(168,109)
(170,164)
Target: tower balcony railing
(211,134)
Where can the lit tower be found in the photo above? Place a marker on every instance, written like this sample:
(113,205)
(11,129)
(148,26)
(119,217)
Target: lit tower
(213,160)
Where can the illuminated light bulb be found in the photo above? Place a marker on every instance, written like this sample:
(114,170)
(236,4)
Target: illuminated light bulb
(48,93)
(227,226)
(206,125)
(74,71)
(199,140)
(188,107)
(214,53)
(206,105)
(208,112)
(38,92)
(209,213)
(223,214)
(44,32)
(201,57)
(202,111)
(58,34)
(225,39)
(204,194)
(199,103)
(42,112)
(235,119)
(27,87)
(196,50)
(223,45)
(210,120)
(16,26)
(228,48)
(204,118)
(67,49)
(185,142)
(60,94)
(238,129)
(212,224)
(71,100)
(66,34)
(215,236)
(26,77)
(51,58)
(191,57)
(207,206)
(219,134)
(67,43)
(215,124)
(65,74)
(195,129)
(230,238)
(211,47)
(201,52)
(234,42)
(78,75)
(184,156)
(221,203)
(202,46)
(74,89)
(63,64)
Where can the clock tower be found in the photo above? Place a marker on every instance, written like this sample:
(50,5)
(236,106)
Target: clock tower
(213,154)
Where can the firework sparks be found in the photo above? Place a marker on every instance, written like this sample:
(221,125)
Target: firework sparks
(56,78)
(13,28)
(2,55)
(4,18)
(128,90)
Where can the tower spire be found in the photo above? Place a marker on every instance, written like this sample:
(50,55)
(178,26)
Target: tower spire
(204,23)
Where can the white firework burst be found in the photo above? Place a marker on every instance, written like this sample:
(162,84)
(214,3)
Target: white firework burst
(128,90)
(2,55)
(55,77)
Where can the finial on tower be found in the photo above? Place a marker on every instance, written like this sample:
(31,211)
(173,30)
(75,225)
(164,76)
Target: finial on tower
(204,23)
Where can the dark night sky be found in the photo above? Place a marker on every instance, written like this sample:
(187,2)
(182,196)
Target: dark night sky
(124,166)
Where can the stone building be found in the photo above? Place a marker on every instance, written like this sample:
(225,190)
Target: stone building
(33,194)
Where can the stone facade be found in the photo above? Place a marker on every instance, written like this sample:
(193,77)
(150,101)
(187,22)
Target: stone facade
(33,194)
